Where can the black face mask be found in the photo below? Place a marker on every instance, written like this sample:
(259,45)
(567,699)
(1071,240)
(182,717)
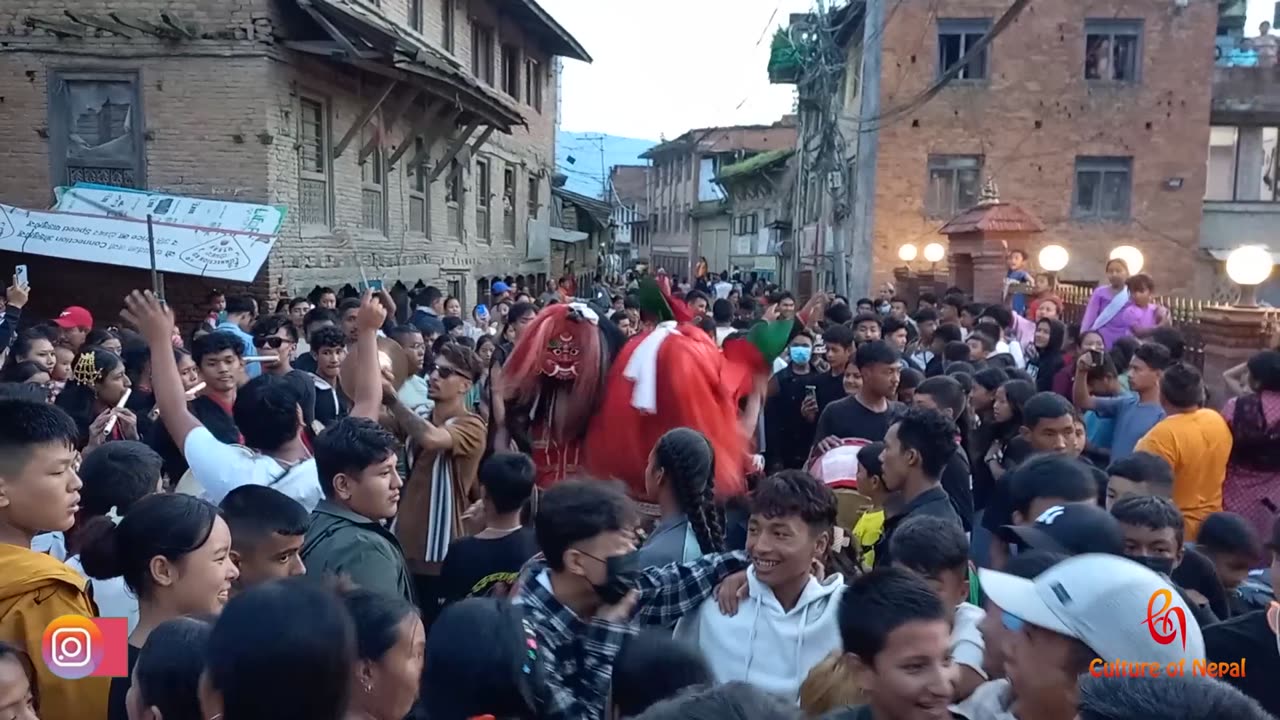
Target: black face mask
(1162,565)
(620,576)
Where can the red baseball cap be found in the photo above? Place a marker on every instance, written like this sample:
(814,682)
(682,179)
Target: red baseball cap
(74,317)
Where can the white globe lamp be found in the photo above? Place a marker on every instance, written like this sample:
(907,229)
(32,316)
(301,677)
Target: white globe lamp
(1131,256)
(907,252)
(1249,267)
(934,252)
(1053,258)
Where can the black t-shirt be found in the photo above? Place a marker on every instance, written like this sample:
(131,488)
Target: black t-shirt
(117,707)
(830,389)
(958,484)
(999,510)
(474,567)
(1249,637)
(849,419)
(788,436)
(933,502)
(1197,572)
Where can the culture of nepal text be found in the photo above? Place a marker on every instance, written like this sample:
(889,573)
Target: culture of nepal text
(1201,668)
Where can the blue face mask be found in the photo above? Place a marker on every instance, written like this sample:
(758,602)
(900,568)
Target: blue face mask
(800,354)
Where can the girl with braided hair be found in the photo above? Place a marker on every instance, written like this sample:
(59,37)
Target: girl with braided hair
(681,476)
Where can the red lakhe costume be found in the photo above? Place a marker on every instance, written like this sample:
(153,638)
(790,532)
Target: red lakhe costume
(674,376)
(552,383)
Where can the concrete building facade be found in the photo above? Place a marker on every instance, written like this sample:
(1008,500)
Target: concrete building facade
(413,139)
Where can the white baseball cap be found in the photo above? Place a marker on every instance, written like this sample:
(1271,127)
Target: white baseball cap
(1104,601)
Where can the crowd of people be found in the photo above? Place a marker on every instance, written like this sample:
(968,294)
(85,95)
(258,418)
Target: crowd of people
(379,507)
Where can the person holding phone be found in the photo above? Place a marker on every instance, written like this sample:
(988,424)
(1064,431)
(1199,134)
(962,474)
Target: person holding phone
(1135,412)
(791,410)
(479,326)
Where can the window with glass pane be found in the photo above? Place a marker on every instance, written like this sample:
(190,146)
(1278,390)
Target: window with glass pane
(1104,188)
(955,182)
(1113,50)
(452,196)
(509,202)
(482,198)
(313,165)
(482,53)
(532,200)
(418,222)
(1244,163)
(446,24)
(372,180)
(955,39)
(511,71)
(415,14)
(533,84)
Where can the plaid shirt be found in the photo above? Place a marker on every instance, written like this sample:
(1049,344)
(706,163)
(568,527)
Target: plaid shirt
(578,654)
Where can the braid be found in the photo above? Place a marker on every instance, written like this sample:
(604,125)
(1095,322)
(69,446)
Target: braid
(692,471)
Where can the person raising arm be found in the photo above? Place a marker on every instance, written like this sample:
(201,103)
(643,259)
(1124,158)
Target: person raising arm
(267,412)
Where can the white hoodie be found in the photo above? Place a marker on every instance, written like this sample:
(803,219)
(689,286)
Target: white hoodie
(764,645)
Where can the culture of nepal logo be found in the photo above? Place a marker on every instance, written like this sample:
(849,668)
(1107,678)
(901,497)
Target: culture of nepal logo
(1167,624)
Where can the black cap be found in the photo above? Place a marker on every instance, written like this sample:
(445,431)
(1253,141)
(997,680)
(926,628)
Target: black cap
(1070,530)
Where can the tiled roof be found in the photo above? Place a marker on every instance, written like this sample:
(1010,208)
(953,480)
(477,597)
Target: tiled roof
(995,217)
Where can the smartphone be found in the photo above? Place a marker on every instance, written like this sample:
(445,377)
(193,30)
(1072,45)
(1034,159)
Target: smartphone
(811,391)
(1095,357)
(23,275)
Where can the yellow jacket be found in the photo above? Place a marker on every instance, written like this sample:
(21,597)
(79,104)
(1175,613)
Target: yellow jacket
(35,590)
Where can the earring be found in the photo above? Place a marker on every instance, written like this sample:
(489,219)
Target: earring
(368,688)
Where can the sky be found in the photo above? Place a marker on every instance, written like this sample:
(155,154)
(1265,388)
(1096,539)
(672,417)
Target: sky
(666,66)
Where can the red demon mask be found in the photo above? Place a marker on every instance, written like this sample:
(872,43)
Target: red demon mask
(560,361)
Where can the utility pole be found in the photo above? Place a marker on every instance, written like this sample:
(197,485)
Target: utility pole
(866,153)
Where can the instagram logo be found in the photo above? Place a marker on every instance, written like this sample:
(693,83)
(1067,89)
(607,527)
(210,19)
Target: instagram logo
(75,646)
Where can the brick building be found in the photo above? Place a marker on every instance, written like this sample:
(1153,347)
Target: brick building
(414,138)
(1091,115)
(687,217)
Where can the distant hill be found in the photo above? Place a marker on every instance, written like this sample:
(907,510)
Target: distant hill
(585,172)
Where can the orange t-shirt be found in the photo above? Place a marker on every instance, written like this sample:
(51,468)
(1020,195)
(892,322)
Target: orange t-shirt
(1197,446)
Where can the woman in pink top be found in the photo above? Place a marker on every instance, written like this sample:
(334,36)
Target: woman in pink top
(1124,306)
(1252,486)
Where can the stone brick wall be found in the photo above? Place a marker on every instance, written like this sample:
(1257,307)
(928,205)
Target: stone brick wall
(222,118)
(1037,113)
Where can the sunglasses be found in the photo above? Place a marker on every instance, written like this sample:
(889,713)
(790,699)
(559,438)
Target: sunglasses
(273,342)
(445,372)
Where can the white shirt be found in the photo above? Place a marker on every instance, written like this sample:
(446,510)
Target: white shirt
(765,645)
(53,544)
(1014,350)
(722,334)
(722,289)
(220,468)
(967,645)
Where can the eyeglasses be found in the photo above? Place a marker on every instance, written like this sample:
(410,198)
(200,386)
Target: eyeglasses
(273,342)
(445,372)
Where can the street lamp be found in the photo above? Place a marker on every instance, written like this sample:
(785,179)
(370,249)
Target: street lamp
(934,252)
(1131,256)
(907,253)
(1249,267)
(1053,258)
